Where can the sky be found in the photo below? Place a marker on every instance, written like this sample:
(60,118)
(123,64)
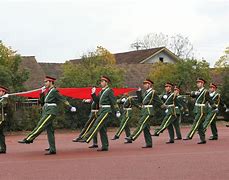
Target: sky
(59,30)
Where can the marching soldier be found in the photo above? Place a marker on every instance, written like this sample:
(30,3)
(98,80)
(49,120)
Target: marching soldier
(3,91)
(49,99)
(107,102)
(169,100)
(92,117)
(148,101)
(202,96)
(126,103)
(180,108)
(212,112)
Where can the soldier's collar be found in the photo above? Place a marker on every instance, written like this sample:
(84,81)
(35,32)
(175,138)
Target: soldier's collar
(201,89)
(169,92)
(51,87)
(105,88)
(212,93)
(148,90)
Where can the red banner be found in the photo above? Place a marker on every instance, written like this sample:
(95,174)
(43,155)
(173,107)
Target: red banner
(77,93)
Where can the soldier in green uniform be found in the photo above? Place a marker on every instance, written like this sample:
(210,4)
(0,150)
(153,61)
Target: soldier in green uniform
(212,112)
(49,99)
(148,100)
(92,117)
(180,107)
(3,95)
(169,99)
(202,96)
(126,102)
(107,102)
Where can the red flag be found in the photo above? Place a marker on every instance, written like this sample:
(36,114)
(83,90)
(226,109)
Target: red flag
(76,93)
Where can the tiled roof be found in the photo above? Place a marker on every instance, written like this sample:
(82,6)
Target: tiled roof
(36,73)
(135,72)
(52,69)
(135,57)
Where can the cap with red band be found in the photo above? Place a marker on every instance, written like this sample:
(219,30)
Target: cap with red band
(213,85)
(49,78)
(105,78)
(169,84)
(2,88)
(148,81)
(201,80)
(177,88)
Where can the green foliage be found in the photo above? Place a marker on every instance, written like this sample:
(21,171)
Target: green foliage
(225,88)
(24,118)
(91,67)
(11,76)
(223,61)
(222,68)
(183,73)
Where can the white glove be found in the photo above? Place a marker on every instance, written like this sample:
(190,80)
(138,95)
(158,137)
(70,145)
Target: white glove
(87,100)
(139,89)
(93,90)
(227,110)
(73,109)
(5,96)
(118,114)
(43,89)
(211,94)
(123,100)
(165,96)
(216,110)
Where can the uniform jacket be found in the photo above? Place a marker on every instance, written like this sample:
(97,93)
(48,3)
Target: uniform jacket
(180,105)
(202,97)
(126,103)
(50,100)
(106,98)
(148,98)
(170,101)
(3,111)
(216,101)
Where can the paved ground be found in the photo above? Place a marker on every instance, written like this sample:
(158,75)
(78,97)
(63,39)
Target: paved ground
(182,160)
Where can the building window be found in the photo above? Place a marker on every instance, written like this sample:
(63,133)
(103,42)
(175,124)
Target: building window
(161,59)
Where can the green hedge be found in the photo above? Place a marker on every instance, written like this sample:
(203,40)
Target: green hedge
(26,118)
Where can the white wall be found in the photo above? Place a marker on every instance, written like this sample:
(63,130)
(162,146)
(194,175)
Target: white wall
(166,58)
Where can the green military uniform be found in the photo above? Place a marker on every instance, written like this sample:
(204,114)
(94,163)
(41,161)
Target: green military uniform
(202,96)
(92,117)
(2,125)
(126,103)
(107,102)
(211,115)
(49,112)
(180,106)
(148,100)
(169,100)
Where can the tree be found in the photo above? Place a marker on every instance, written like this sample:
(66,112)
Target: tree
(181,46)
(183,73)
(151,40)
(178,44)
(88,71)
(223,61)
(222,68)
(11,76)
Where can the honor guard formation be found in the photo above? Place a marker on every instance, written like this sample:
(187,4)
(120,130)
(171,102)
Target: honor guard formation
(103,104)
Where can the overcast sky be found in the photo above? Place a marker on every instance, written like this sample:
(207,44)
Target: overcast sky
(57,30)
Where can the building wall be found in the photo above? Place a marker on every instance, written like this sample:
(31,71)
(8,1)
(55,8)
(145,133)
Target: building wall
(156,58)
